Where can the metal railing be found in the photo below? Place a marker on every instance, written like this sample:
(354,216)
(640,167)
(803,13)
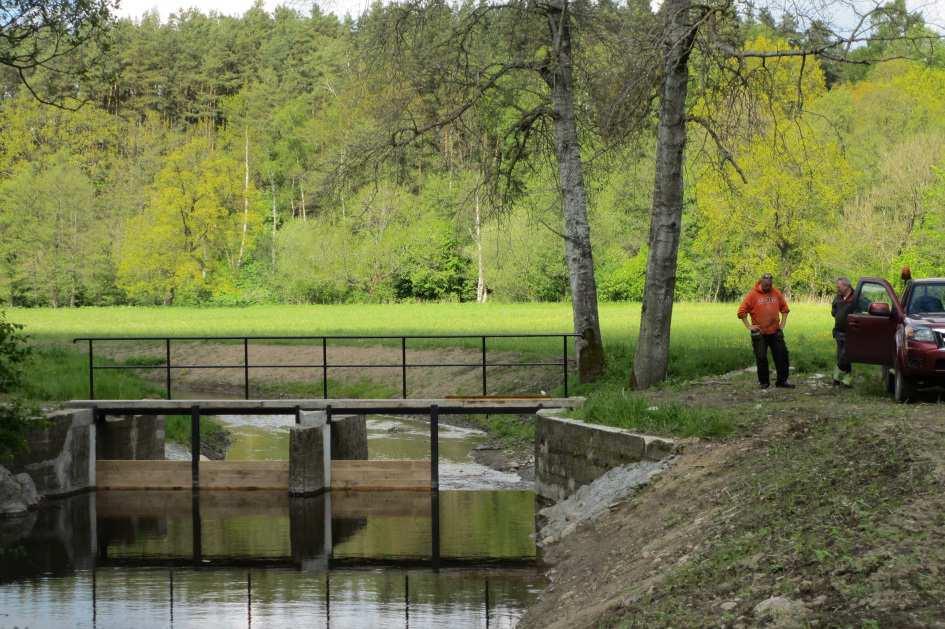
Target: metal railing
(168,366)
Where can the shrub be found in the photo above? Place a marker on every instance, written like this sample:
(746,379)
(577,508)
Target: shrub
(16,418)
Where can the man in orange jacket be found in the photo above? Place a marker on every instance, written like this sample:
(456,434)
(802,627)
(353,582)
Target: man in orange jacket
(768,313)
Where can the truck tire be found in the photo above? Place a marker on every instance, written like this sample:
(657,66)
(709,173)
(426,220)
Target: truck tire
(888,379)
(904,390)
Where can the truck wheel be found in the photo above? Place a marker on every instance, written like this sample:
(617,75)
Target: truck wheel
(888,379)
(904,390)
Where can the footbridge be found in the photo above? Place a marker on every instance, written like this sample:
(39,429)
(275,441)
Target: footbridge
(327,445)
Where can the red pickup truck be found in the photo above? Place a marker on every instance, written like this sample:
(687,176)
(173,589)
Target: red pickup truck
(906,336)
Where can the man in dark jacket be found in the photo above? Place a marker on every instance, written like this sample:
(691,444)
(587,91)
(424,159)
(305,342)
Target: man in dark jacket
(843,304)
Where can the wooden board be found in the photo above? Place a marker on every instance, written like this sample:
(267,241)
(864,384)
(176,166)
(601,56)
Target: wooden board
(142,474)
(244,475)
(380,475)
(339,405)
(264,475)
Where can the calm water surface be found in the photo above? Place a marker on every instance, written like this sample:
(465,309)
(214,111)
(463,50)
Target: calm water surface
(242,559)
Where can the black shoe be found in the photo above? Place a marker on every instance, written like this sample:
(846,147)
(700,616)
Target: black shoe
(764,385)
(785,385)
(837,383)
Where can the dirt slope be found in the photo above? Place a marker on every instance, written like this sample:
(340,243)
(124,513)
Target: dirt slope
(833,501)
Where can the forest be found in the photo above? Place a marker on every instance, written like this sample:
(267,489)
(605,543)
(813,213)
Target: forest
(284,158)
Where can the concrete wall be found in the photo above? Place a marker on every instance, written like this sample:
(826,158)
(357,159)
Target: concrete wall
(61,458)
(131,437)
(570,453)
(349,439)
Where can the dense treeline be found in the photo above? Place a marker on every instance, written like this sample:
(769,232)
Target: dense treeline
(229,160)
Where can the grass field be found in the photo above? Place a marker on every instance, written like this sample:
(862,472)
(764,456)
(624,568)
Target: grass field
(706,339)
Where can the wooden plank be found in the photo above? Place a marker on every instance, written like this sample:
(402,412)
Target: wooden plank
(380,475)
(244,475)
(262,475)
(319,404)
(110,474)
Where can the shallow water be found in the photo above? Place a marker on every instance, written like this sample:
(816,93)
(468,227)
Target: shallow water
(257,437)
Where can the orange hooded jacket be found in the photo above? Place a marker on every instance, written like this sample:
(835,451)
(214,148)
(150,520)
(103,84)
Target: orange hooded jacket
(765,308)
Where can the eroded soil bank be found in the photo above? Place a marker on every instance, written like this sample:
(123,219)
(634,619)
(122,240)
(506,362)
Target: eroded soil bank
(827,510)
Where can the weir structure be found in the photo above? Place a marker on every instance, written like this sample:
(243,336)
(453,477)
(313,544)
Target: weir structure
(328,464)
(311,467)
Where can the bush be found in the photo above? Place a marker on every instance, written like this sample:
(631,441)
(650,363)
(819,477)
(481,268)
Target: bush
(13,354)
(16,418)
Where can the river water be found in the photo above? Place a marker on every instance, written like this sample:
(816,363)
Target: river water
(242,559)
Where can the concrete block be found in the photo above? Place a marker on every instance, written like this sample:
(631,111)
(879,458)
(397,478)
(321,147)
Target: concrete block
(60,458)
(309,460)
(131,437)
(570,453)
(349,439)
(313,418)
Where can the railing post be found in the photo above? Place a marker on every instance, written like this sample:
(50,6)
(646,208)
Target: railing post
(245,368)
(195,447)
(435,486)
(324,367)
(403,366)
(167,367)
(435,530)
(483,366)
(91,372)
(564,361)
(435,448)
(196,524)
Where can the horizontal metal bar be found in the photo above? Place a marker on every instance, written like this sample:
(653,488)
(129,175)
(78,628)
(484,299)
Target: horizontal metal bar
(330,366)
(349,337)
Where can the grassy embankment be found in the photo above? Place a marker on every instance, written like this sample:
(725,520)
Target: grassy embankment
(707,339)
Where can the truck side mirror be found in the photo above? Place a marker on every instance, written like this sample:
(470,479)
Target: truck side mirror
(879,309)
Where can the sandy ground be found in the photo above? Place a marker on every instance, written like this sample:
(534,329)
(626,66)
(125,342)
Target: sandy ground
(273,381)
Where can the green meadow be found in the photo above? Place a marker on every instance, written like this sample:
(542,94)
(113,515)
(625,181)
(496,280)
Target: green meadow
(706,339)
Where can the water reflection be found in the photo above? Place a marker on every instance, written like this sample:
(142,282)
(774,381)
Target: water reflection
(264,559)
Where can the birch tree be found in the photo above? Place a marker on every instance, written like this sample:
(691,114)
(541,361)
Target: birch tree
(710,28)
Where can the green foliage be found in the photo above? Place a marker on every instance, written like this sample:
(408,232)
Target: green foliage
(274,121)
(17,418)
(177,429)
(14,352)
(200,225)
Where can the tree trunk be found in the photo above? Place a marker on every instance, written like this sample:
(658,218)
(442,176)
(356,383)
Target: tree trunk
(302,193)
(577,234)
(651,361)
(481,282)
(275,219)
(239,259)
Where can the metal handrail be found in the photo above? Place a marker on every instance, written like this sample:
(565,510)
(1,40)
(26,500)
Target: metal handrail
(167,366)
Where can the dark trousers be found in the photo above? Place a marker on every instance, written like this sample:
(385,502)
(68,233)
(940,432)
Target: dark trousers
(760,343)
(843,363)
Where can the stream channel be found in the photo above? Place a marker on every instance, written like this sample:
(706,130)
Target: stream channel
(261,559)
